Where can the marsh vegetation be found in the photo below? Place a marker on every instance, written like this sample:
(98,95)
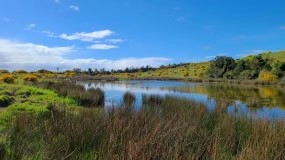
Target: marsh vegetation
(164,128)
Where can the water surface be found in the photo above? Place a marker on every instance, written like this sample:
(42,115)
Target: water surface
(259,101)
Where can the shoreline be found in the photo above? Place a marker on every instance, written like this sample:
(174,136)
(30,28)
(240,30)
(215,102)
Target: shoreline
(197,80)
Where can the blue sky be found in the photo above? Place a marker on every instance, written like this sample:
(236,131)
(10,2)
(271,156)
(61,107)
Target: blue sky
(120,33)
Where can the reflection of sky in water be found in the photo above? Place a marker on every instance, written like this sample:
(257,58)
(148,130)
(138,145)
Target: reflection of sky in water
(114,93)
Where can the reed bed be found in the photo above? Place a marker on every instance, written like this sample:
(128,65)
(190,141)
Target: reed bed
(164,128)
(92,97)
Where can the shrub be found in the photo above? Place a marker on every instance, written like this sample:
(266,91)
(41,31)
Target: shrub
(44,71)
(20,72)
(69,74)
(7,79)
(30,78)
(265,75)
(5,100)
(4,71)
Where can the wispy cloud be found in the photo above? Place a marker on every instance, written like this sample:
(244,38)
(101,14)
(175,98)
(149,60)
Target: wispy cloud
(250,52)
(176,8)
(239,37)
(30,26)
(213,56)
(206,47)
(75,8)
(84,36)
(209,27)
(102,46)
(5,19)
(57,1)
(29,56)
(49,34)
(282,27)
(115,40)
(180,19)
(209,57)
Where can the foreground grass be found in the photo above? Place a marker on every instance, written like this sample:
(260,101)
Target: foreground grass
(164,128)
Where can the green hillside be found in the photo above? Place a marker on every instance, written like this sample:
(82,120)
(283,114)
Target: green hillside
(189,70)
(192,70)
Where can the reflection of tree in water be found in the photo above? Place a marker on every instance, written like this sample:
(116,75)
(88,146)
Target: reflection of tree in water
(253,96)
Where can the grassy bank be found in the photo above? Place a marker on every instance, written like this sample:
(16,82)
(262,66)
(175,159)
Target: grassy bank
(35,97)
(164,128)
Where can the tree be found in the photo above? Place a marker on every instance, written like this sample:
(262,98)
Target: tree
(278,69)
(241,66)
(220,66)
(90,72)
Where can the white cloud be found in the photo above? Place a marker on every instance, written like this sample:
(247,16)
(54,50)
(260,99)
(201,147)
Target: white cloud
(102,46)
(75,8)
(30,26)
(84,36)
(29,56)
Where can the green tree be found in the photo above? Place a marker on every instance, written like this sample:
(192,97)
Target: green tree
(220,66)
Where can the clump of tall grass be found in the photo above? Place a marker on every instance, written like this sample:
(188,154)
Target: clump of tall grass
(129,98)
(182,129)
(152,99)
(6,100)
(85,97)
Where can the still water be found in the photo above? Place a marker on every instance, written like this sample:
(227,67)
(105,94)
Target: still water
(259,101)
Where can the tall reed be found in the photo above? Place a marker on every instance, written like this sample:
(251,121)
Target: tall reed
(164,128)
(85,97)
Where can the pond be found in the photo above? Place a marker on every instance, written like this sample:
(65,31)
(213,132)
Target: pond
(259,101)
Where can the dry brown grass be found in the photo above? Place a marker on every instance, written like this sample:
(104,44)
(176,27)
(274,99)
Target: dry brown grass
(167,128)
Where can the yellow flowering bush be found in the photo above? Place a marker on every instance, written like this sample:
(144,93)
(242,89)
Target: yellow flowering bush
(69,74)
(267,76)
(7,79)
(31,78)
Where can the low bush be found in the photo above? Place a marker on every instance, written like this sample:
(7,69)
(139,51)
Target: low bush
(4,71)
(44,71)
(7,79)
(20,72)
(31,78)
